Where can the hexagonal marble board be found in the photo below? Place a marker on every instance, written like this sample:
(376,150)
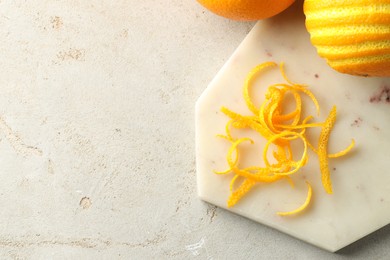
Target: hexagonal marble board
(360,203)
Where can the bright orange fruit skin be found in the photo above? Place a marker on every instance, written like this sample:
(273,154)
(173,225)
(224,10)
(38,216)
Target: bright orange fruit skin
(246,10)
(352,35)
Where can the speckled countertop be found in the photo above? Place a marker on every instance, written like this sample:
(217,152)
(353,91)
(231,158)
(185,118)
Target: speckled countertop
(97,151)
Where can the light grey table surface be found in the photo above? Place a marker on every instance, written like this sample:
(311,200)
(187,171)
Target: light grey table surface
(97,151)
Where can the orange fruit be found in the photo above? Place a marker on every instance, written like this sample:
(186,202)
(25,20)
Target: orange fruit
(246,10)
(352,35)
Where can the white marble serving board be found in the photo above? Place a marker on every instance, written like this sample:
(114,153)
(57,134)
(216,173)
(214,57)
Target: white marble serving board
(360,203)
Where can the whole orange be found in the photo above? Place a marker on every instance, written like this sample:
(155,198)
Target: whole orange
(246,10)
(352,35)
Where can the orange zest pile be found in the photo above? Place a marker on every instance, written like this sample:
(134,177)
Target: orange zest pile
(280,129)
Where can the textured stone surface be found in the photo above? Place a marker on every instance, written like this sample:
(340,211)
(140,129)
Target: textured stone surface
(92,164)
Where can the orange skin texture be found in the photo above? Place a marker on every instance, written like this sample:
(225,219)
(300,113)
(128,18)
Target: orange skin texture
(352,35)
(246,10)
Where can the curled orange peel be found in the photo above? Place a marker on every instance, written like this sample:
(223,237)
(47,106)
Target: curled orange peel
(233,148)
(298,165)
(247,121)
(249,80)
(302,207)
(279,129)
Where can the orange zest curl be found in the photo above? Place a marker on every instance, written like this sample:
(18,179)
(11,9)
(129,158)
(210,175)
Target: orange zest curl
(302,207)
(280,129)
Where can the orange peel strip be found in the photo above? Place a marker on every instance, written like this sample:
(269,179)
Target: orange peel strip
(298,165)
(310,95)
(259,177)
(245,187)
(227,130)
(292,115)
(323,150)
(251,123)
(228,135)
(223,172)
(335,155)
(232,182)
(300,126)
(283,72)
(270,119)
(302,89)
(248,121)
(232,163)
(302,207)
(248,82)
(302,132)
(298,102)
(233,148)
(285,117)
(343,152)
